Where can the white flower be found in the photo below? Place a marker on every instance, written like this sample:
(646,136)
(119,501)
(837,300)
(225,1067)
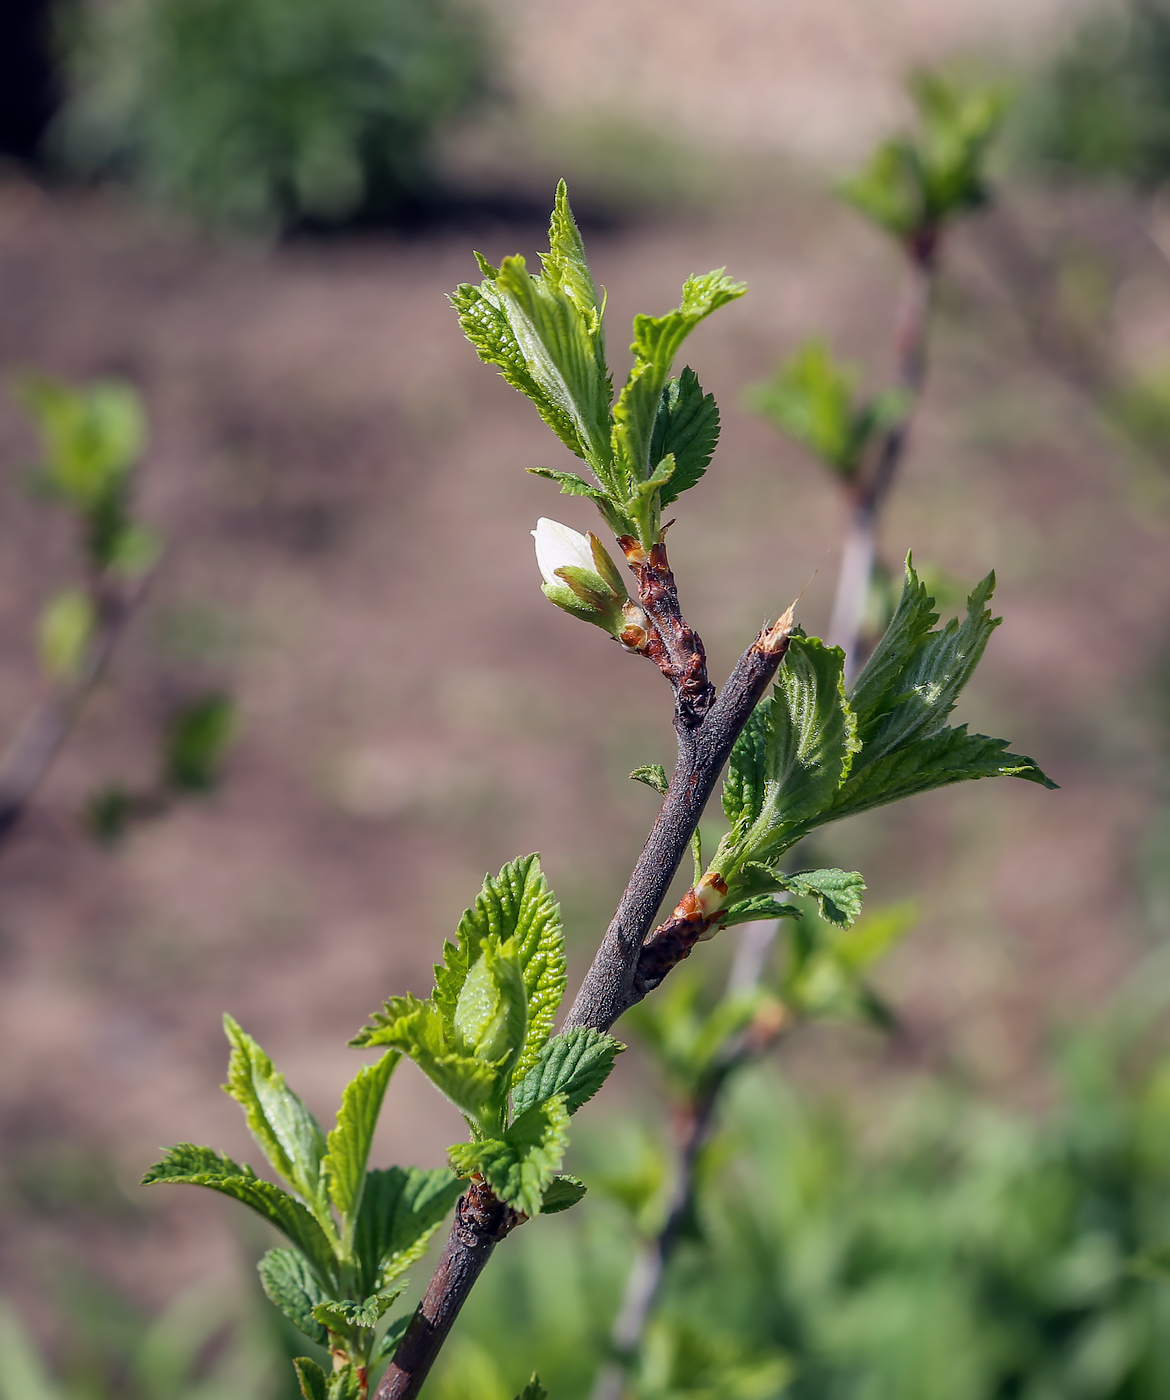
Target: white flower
(559,547)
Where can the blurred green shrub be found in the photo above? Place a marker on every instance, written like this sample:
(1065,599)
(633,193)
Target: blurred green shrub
(209,1344)
(1102,109)
(948,1249)
(264,113)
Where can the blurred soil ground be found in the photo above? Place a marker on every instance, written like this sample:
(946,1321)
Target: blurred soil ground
(341,486)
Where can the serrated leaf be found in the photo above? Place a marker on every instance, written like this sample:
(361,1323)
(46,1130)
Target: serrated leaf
(746,781)
(656,342)
(346,1384)
(570,483)
(653,775)
(837,892)
(515,905)
(812,734)
(348,1319)
(562,1193)
(574,1065)
(954,756)
(66,626)
(291,1285)
(186,1164)
(419,1030)
(687,428)
(878,686)
(924,690)
(795,753)
(752,911)
(520,1164)
(401,1208)
(348,1145)
(311,1378)
(485,324)
(289,1135)
(533,1390)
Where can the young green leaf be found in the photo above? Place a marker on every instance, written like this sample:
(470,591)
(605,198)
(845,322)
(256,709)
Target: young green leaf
(348,1319)
(311,1378)
(837,892)
(292,1286)
(686,427)
(520,1164)
(66,626)
(420,1030)
(401,1207)
(562,1193)
(515,905)
(656,342)
(197,737)
(491,1015)
(759,907)
(903,698)
(92,436)
(575,1065)
(653,775)
(186,1164)
(288,1133)
(785,768)
(533,1390)
(879,685)
(544,332)
(348,1145)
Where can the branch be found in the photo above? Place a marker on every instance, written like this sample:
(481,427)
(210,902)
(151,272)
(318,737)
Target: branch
(44,731)
(707,729)
(867,494)
(481,1222)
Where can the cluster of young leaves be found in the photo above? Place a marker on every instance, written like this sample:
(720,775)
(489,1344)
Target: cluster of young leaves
(811,398)
(545,333)
(912,185)
(92,439)
(810,755)
(483,1039)
(351,1232)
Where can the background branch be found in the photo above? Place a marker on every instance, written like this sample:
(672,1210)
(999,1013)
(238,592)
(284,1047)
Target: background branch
(867,493)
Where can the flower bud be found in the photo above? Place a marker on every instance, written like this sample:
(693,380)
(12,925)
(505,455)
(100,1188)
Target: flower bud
(580,577)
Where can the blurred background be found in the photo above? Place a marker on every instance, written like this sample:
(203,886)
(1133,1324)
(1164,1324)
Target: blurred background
(250,211)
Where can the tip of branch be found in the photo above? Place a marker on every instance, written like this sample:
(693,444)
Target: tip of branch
(774,639)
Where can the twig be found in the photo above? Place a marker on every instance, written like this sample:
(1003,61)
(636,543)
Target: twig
(40,738)
(868,491)
(648,1271)
(481,1222)
(707,726)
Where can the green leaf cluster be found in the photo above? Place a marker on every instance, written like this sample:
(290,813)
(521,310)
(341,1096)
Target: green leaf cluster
(92,439)
(544,332)
(351,1231)
(811,398)
(197,737)
(483,1039)
(810,755)
(913,184)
